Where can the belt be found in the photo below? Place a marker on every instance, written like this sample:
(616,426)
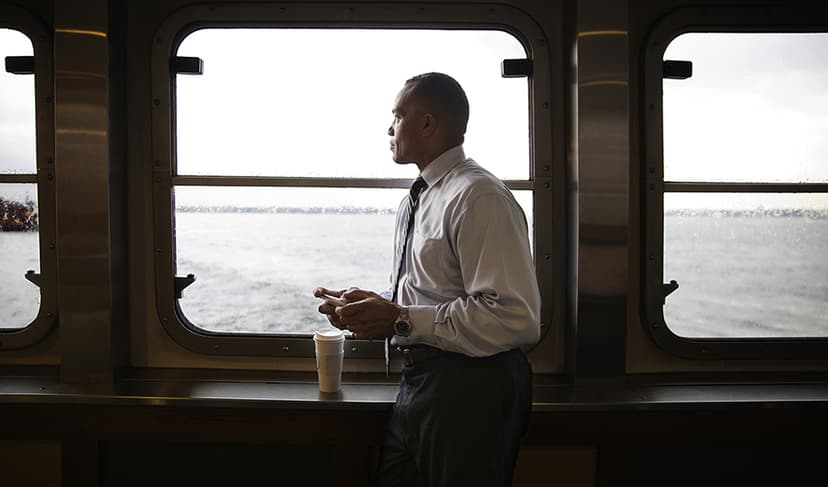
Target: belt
(417,354)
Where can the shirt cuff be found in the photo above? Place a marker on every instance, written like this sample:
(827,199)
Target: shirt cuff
(421,318)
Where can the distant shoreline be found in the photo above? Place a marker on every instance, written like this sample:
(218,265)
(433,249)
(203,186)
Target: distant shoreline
(772,212)
(286,210)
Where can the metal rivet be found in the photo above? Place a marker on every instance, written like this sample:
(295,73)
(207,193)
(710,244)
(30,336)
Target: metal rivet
(546,256)
(547,167)
(652,257)
(354,349)
(546,104)
(156,101)
(285,349)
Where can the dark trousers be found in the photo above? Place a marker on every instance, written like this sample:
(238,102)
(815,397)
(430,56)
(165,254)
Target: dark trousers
(457,421)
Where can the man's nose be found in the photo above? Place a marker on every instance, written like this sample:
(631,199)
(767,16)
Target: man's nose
(391,130)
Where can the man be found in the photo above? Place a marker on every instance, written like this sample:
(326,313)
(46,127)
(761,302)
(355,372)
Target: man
(464,303)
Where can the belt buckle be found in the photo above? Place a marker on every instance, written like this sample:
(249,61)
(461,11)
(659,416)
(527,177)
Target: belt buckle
(408,357)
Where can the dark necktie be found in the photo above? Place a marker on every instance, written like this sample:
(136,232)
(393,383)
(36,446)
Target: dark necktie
(406,220)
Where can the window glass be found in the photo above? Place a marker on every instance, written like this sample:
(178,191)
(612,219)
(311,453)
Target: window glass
(17,108)
(19,244)
(258,253)
(314,103)
(747,265)
(317,102)
(754,111)
(755,108)
(19,236)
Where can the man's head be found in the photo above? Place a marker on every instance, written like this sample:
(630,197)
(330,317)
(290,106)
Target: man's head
(430,116)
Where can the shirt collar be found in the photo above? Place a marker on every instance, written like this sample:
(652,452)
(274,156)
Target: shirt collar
(444,163)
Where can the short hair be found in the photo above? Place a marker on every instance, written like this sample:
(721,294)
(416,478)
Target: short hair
(446,94)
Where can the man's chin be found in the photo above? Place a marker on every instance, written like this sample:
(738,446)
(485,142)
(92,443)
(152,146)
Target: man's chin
(400,160)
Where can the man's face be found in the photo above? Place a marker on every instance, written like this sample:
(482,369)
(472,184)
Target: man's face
(405,130)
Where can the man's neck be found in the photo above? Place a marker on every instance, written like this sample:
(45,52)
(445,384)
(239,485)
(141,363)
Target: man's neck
(430,155)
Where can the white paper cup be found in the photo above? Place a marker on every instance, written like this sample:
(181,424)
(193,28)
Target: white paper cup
(330,347)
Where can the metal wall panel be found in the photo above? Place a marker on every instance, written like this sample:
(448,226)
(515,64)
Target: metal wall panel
(602,188)
(82,172)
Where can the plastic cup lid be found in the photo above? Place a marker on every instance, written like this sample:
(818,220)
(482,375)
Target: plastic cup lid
(328,335)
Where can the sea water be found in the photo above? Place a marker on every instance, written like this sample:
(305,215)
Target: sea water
(738,275)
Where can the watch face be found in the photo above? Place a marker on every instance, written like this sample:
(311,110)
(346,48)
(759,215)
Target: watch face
(402,328)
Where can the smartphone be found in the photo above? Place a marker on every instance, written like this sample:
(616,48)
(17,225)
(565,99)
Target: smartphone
(332,300)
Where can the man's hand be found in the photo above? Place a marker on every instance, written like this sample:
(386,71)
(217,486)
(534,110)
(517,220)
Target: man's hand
(326,308)
(367,314)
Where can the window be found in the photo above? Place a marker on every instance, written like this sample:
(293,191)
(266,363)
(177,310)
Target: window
(18,191)
(280,177)
(739,207)
(27,264)
(321,111)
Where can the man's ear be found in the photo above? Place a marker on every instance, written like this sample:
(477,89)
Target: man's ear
(429,124)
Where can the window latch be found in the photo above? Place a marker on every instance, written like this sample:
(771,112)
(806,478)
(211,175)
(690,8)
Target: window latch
(677,69)
(668,289)
(20,64)
(33,277)
(180,283)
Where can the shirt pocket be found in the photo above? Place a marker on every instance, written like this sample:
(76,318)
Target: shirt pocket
(427,257)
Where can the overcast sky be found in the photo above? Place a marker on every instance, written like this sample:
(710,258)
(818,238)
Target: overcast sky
(307,102)
(17,135)
(755,109)
(317,102)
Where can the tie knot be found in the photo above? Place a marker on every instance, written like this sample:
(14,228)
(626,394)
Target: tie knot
(417,188)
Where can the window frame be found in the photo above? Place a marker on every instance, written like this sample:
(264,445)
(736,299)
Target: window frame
(44,178)
(351,16)
(757,20)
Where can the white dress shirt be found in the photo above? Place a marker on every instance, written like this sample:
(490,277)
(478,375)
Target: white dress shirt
(469,277)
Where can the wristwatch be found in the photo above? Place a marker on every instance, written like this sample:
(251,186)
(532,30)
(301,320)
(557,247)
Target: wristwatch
(402,325)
